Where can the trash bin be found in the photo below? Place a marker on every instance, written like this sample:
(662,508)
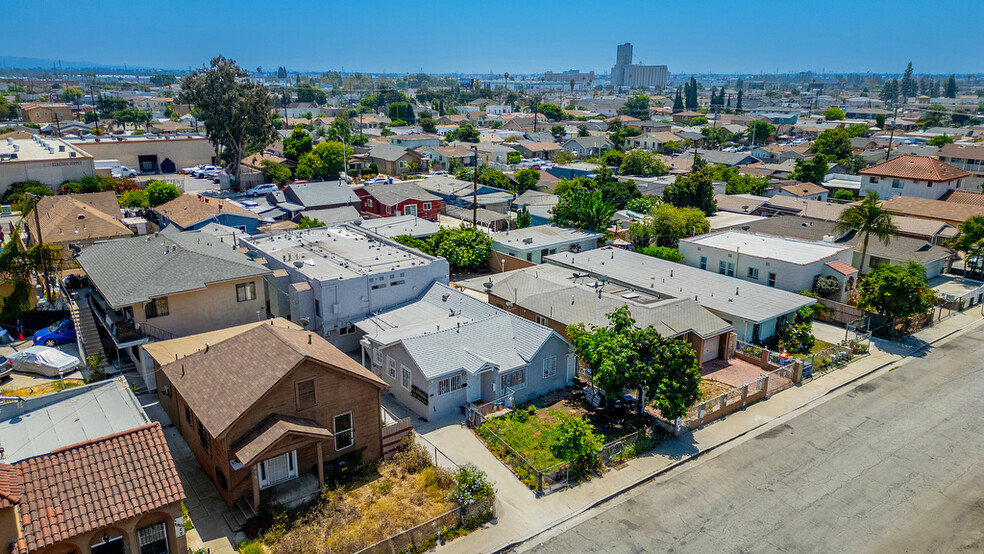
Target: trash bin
(5,337)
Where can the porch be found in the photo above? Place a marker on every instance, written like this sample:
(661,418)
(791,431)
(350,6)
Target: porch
(294,492)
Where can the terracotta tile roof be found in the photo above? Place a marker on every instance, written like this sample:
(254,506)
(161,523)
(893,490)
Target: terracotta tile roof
(79,217)
(189,209)
(89,485)
(272,429)
(919,168)
(11,486)
(841,267)
(248,365)
(804,189)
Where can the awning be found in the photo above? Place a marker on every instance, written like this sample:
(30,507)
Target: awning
(260,439)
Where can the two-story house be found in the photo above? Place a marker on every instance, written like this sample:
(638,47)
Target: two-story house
(969,157)
(912,176)
(400,198)
(394,160)
(291,404)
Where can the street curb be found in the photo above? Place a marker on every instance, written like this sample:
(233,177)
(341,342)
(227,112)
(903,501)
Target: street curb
(692,457)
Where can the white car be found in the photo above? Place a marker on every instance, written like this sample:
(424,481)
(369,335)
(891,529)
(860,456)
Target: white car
(439,174)
(206,171)
(261,190)
(374,180)
(123,171)
(193,170)
(45,360)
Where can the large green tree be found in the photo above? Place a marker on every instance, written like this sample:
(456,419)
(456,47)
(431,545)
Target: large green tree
(896,291)
(297,143)
(868,218)
(695,190)
(636,106)
(235,110)
(624,357)
(758,132)
(835,144)
(526,179)
(666,225)
(646,164)
(464,133)
(971,241)
(325,161)
(951,87)
(811,170)
(553,112)
(908,86)
(583,209)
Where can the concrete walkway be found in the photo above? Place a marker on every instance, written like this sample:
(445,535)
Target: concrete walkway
(521,515)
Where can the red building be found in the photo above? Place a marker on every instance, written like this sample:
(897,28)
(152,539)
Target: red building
(401,198)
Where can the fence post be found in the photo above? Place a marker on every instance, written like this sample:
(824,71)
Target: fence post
(797,371)
(539,481)
(765,356)
(744,395)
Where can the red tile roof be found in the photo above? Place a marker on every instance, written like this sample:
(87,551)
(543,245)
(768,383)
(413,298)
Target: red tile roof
(11,487)
(841,267)
(89,485)
(919,168)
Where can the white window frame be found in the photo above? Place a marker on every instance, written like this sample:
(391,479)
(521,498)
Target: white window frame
(377,357)
(391,367)
(337,431)
(407,377)
(448,385)
(426,206)
(368,202)
(159,530)
(542,320)
(249,291)
(549,367)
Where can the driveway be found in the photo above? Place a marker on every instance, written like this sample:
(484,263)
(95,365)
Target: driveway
(895,464)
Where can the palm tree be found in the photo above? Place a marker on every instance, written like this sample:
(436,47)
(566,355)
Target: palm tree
(971,242)
(868,218)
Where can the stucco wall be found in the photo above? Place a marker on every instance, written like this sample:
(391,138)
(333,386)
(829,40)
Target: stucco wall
(213,308)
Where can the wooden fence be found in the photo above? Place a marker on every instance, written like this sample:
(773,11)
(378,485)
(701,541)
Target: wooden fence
(393,434)
(841,314)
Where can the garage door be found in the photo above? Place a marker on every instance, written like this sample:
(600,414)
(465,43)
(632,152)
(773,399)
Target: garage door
(711,348)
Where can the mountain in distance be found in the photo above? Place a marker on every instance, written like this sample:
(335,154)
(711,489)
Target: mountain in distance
(17,62)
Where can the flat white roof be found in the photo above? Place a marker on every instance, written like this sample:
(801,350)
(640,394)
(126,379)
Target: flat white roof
(40,149)
(542,236)
(789,250)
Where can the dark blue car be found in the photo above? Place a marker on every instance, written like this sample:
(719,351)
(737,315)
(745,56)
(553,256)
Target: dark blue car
(60,332)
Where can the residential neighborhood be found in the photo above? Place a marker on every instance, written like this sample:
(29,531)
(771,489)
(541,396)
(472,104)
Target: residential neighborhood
(366,295)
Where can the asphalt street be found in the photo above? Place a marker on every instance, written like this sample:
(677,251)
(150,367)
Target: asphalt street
(895,464)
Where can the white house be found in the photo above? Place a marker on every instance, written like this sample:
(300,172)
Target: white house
(533,244)
(789,264)
(914,176)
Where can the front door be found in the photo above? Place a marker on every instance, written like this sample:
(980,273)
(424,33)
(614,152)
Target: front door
(277,470)
(474,388)
(410,209)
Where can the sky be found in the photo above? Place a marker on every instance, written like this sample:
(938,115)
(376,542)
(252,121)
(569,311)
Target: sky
(688,36)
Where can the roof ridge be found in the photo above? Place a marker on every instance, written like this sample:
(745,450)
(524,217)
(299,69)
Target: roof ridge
(116,435)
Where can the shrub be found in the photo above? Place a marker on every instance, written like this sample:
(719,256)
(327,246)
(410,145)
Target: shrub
(160,192)
(411,456)
(663,253)
(17,195)
(135,199)
(576,441)
(250,547)
(470,484)
(843,194)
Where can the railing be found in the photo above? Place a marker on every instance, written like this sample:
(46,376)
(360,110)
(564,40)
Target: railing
(734,399)
(477,414)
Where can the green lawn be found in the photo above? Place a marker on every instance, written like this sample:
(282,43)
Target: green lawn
(818,346)
(531,439)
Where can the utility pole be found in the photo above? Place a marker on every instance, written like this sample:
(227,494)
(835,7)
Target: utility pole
(46,287)
(57,124)
(475,189)
(891,135)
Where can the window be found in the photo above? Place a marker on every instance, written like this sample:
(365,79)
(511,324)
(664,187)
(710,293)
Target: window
(344,437)
(391,367)
(407,381)
(307,395)
(703,262)
(167,387)
(346,330)
(514,380)
(542,320)
(753,273)
(379,286)
(317,307)
(246,291)
(549,367)
(872,179)
(157,308)
(203,437)
(368,202)
(529,256)
(377,357)
(772,279)
(427,206)
(397,283)
(153,539)
(726,268)
(188,417)
(448,384)
(896,183)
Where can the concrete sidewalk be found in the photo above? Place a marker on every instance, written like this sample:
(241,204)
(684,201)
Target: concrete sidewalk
(522,515)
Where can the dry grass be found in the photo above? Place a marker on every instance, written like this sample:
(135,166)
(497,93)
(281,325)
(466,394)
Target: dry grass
(709,388)
(347,521)
(42,388)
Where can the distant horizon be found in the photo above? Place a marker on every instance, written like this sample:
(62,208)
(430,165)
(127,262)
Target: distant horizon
(438,37)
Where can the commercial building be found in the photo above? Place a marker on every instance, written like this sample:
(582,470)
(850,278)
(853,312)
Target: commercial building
(328,278)
(51,161)
(754,310)
(150,153)
(789,264)
(628,74)
(533,244)
(565,77)
(448,349)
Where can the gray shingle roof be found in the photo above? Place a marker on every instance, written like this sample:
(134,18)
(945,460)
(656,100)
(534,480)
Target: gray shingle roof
(129,271)
(388,152)
(325,193)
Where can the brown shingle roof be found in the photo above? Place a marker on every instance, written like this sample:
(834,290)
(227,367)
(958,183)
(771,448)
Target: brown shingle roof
(272,429)
(919,168)
(804,189)
(953,212)
(247,366)
(960,150)
(188,209)
(963,197)
(540,146)
(89,485)
(79,217)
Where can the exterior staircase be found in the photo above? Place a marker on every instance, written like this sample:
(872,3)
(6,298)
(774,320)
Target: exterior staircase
(86,332)
(242,512)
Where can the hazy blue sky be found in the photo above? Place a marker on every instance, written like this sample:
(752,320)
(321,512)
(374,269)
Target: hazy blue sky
(519,37)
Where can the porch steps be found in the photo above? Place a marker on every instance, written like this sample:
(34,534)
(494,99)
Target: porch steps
(242,512)
(85,327)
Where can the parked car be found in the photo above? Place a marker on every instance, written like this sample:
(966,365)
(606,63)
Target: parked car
(217,177)
(59,332)
(209,173)
(72,282)
(44,360)
(201,173)
(438,173)
(6,367)
(193,170)
(260,190)
(123,171)
(385,180)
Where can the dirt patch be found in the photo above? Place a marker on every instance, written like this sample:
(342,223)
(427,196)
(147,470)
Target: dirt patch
(41,389)
(709,388)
